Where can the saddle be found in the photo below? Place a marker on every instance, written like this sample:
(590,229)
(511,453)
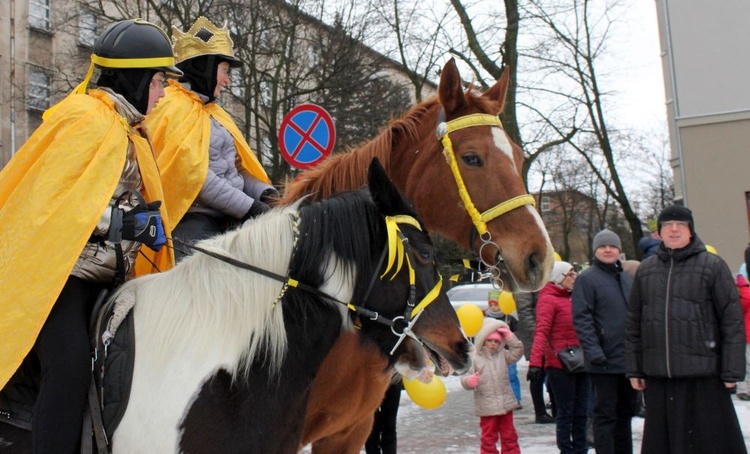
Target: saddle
(113,356)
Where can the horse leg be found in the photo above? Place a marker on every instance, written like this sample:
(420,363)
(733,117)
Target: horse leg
(348,442)
(14,439)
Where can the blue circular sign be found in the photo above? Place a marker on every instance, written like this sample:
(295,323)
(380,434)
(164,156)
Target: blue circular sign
(306,136)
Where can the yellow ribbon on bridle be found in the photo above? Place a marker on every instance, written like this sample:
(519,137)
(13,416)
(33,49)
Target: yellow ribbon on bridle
(479,219)
(397,255)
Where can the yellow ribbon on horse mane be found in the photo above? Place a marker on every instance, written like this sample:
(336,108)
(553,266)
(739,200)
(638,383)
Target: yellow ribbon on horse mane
(396,253)
(396,247)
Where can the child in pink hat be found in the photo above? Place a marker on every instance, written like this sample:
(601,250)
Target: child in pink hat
(494,401)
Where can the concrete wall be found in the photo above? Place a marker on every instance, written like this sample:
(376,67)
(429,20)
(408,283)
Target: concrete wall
(706,71)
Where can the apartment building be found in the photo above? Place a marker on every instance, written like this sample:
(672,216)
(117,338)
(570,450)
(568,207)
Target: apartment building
(45,46)
(705,50)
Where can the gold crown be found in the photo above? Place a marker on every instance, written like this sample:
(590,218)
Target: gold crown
(212,41)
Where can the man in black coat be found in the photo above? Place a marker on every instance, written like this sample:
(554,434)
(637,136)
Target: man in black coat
(600,300)
(685,344)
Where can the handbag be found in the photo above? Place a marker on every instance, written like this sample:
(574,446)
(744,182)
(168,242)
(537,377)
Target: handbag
(571,358)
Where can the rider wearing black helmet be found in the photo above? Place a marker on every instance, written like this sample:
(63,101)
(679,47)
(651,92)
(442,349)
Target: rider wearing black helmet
(212,179)
(79,199)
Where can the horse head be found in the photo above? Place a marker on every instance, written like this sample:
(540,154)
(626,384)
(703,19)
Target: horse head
(409,290)
(483,182)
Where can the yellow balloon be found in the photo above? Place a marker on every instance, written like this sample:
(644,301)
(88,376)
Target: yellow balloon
(557,257)
(427,395)
(507,303)
(471,317)
(712,249)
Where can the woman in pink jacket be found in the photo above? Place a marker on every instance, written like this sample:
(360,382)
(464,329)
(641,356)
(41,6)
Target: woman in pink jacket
(743,387)
(494,400)
(555,332)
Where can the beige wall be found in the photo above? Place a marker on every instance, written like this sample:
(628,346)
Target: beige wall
(717,170)
(707,82)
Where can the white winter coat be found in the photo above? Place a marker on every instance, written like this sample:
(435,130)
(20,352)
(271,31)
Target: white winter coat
(493,395)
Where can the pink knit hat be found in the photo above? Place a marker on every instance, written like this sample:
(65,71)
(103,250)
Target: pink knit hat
(494,335)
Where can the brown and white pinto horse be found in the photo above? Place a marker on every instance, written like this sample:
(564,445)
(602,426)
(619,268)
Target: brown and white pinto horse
(493,202)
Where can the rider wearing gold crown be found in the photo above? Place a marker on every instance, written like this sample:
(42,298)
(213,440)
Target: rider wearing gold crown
(77,201)
(212,179)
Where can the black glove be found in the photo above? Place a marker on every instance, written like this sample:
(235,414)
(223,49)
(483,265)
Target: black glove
(144,224)
(256,208)
(600,361)
(270,196)
(534,374)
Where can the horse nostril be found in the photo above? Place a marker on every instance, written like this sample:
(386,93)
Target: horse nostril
(533,268)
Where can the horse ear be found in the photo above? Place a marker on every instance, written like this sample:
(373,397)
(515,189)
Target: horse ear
(498,91)
(450,90)
(384,193)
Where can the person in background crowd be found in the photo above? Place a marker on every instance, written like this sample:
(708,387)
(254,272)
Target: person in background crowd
(82,194)
(555,332)
(383,438)
(686,343)
(526,307)
(600,302)
(212,179)
(494,401)
(650,244)
(743,387)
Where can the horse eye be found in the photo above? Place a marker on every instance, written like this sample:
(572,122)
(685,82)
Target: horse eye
(425,255)
(472,160)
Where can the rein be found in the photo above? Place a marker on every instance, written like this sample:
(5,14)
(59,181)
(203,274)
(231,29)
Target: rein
(479,220)
(397,248)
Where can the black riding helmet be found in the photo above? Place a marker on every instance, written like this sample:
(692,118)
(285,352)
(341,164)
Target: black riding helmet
(129,53)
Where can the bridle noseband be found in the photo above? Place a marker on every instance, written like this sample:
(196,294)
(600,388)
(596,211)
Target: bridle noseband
(479,220)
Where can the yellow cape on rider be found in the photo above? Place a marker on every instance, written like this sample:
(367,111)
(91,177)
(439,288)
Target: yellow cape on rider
(52,194)
(180,131)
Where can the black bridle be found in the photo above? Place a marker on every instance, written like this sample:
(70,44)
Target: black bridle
(398,250)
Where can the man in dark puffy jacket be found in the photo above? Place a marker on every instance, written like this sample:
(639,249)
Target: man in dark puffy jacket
(686,343)
(600,301)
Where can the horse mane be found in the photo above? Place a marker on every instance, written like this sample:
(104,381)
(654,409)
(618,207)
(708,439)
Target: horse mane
(196,305)
(193,306)
(348,170)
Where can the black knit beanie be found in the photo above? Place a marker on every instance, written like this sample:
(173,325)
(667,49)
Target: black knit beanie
(676,213)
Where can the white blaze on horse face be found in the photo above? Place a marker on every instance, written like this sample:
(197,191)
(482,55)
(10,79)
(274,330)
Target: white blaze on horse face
(502,142)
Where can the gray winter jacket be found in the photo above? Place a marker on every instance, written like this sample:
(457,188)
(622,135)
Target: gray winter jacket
(226,191)
(685,317)
(600,303)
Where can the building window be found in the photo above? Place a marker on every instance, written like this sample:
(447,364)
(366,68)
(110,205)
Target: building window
(38,98)
(87,28)
(545,203)
(238,82)
(266,93)
(39,14)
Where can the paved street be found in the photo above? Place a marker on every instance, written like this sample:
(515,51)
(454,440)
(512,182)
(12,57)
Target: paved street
(453,428)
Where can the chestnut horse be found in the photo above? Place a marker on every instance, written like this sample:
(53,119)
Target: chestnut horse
(477,199)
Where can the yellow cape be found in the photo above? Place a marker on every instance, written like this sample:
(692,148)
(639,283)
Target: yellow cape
(180,131)
(52,194)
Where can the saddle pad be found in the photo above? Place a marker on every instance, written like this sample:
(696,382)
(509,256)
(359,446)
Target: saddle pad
(114,370)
